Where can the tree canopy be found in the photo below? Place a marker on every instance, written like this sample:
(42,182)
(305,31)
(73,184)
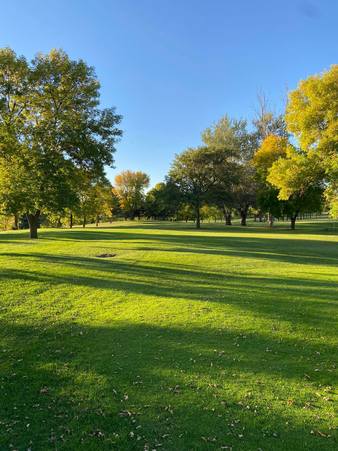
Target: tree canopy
(51,129)
(130,190)
(312,117)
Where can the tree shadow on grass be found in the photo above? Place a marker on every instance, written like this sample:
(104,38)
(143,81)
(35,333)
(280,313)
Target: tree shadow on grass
(294,300)
(316,227)
(299,251)
(129,386)
(70,386)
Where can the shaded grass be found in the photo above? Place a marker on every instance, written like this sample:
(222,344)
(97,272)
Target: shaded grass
(186,340)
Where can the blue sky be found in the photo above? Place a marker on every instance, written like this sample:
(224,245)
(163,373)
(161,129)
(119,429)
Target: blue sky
(173,67)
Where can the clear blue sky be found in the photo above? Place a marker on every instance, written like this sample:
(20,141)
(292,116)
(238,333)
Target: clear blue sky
(173,67)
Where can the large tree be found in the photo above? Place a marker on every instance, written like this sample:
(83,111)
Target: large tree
(298,179)
(162,201)
(235,185)
(312,117)
(195,172)
(130,188)
(96,202)
(271,149)
(51,130)
(92,203)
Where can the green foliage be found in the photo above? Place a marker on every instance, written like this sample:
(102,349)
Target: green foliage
(96,201)
(312,116)
(298,180)
(130,188)
(51,130)
(186,212)
(196,172)
(331,195)
(294,174)
(227,134)
(235,184)
(272,148)
(162,201)
(115,206)
(312,113)
(210,212)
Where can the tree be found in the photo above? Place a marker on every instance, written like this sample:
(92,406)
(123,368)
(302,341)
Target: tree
(272,148)
(104,200)
(331,196)
(51,129)
(245,191)
(222,195)
(297,177)
(162,201)
(266,122)
(115,206)
(12,194)
(234,186)
(195,172)
(312,116)
(186,212)
(94,201)
(130,189)
(227,134)
(210,212)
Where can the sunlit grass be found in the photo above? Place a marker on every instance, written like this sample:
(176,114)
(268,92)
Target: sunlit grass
(185,340)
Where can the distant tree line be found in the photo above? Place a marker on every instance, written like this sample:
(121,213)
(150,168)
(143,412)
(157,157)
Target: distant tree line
(55,143)
(286,166)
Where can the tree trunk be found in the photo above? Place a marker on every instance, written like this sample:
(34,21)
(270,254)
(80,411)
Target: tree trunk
(84,222)
(33,221)
(198,217)
(293,221)
(243,213)
(97,221)
(227,216)
(270,219)
(71,220)
(16,222)
(59,224)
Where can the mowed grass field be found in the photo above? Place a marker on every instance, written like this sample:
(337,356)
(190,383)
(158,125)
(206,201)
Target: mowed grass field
(223,338)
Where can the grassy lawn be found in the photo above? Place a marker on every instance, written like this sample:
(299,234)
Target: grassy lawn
(185,340)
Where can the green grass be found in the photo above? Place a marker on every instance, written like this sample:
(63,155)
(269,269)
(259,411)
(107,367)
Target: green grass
(185,340)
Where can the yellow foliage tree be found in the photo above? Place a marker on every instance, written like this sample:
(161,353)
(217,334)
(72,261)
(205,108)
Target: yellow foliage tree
(129,188)
(272,148)
(312,117)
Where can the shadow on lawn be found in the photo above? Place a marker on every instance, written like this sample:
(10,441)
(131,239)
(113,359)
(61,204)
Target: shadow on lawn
(300,251)
(70,386)
(78,233)
(295,300)
(319,227)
